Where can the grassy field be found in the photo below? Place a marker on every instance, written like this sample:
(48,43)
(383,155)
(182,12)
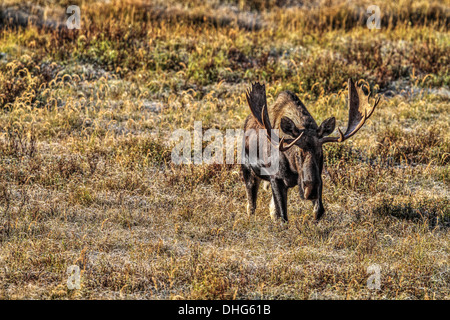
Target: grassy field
(86,177)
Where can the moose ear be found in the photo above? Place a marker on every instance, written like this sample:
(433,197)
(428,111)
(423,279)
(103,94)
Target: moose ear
(288,126)
(326,127)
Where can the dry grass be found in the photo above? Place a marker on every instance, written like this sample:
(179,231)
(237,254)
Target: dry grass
(85,164)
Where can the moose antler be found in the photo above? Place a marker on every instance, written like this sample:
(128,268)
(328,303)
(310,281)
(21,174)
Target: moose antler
(356,116)
(256,98)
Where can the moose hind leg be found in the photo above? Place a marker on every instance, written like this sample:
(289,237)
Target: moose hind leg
(251,186)
(273,209)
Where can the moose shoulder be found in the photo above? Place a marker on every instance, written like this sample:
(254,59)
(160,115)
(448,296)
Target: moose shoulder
(298,147)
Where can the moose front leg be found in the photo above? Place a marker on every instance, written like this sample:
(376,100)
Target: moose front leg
(278,205)
(318,207)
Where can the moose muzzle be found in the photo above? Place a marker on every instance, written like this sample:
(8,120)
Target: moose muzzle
(310,190)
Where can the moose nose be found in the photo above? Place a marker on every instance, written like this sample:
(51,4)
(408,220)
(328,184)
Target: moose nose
(309,191)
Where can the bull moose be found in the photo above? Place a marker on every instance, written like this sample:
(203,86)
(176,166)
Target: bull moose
(300,153)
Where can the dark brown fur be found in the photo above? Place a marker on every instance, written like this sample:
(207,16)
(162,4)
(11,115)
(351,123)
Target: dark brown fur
(301,165)
(299,146)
